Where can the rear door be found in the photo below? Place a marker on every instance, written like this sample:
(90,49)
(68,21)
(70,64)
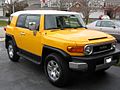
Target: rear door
(107,26)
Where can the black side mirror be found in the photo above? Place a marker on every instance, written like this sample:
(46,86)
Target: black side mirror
(114,26)
(32,25)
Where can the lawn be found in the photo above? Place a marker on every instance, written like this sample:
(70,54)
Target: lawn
(3,23)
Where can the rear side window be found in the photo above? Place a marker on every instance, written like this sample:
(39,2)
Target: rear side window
(107,24)
(98,23)
(21,21)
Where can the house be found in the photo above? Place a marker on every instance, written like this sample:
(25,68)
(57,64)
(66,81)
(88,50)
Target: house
(1,8)
(95,12)
(31,2)
(33,7)
(112,8)
(60,4)
(42,4)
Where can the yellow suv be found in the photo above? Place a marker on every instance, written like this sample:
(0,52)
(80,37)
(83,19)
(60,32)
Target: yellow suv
(60,41)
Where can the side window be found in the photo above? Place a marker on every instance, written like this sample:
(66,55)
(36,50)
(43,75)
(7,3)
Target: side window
(21,21)
(98,23)
(107,24)
(33,18)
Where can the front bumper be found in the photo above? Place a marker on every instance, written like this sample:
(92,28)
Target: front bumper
(95,62)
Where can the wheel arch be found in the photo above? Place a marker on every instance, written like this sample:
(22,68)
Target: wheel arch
(48,50)
(9,37)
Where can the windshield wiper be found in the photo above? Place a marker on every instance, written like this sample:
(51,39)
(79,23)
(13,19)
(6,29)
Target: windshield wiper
(52,28)
(75,27)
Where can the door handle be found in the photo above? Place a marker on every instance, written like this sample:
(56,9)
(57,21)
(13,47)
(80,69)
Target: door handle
(22,33)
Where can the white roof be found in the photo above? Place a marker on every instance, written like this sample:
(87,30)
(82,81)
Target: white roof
(42,12)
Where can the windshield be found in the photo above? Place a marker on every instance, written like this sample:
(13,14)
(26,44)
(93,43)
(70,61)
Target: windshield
(117,23)
(63,21)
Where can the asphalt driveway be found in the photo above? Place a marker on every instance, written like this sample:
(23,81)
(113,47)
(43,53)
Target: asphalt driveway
(2,33)
(25,75)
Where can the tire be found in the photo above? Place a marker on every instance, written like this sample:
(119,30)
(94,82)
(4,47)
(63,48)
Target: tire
(12,52)
(56,69)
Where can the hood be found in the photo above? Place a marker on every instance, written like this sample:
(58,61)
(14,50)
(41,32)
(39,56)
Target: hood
(79,35)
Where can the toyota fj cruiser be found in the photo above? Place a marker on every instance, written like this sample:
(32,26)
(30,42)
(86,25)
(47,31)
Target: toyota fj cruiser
(59,41)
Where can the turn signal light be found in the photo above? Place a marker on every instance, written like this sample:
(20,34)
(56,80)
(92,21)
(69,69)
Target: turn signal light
(4,28)
(75,49)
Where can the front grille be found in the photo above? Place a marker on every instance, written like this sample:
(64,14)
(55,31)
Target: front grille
(102,48)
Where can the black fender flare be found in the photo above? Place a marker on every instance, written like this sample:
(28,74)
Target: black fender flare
(66,56)
(9,37)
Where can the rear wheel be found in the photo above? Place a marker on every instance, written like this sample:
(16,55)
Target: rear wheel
(56,69)
(12,51)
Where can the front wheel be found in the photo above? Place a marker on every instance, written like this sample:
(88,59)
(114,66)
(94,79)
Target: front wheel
(56,69)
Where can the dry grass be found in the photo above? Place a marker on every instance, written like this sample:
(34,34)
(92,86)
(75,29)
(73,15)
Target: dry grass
(3,23)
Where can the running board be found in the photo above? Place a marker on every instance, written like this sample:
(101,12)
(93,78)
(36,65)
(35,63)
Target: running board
(28,58)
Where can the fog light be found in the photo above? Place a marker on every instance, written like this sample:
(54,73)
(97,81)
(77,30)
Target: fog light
(113,46)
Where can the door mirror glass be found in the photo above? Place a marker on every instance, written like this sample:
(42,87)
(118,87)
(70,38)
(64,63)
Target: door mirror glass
(32,25)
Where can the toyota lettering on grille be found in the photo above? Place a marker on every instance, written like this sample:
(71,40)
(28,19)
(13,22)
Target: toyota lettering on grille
(103,47)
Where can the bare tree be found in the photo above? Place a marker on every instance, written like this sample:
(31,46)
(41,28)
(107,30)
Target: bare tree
(17,5)
(112,10)
(8,7)
(86,6)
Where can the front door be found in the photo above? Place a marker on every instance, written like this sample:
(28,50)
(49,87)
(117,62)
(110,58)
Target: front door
(31,39)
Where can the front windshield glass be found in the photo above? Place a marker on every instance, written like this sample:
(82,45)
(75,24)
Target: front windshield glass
(117,23)
(63,21)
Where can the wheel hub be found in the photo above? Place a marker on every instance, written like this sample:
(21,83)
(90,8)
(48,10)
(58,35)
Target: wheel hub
(53,70)
(10,51)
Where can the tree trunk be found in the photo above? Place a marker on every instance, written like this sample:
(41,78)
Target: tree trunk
(86,19)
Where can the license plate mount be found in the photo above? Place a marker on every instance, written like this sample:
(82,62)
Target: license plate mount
(108,59)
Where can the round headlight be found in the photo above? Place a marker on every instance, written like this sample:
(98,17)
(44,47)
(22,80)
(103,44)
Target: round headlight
(113,46)
(88,50)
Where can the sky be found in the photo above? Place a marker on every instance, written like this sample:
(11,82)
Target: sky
(6,1)
(9,1)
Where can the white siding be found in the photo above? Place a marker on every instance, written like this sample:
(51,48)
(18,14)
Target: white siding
(1,12)
(30,2)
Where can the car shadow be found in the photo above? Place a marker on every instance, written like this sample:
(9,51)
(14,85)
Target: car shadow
(77,80)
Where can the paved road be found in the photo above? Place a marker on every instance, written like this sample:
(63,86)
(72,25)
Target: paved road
(2,32)
(27,76)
